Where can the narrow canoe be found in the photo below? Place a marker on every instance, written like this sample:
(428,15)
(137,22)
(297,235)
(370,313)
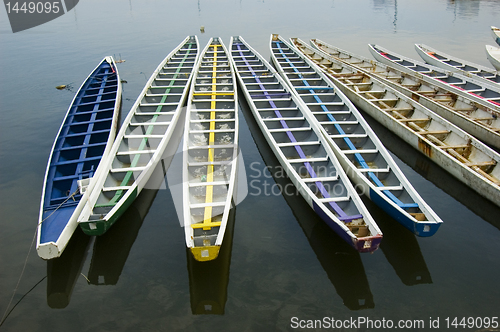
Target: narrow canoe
(467,86)
(459,153)
(335,257)
(364,158)
(493,55)
(302,150)
(495,32)
(83,141)
(144,139)
(477,118)
(210,152)
(454,64)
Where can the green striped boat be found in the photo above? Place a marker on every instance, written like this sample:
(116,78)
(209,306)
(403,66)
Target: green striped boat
(145,138)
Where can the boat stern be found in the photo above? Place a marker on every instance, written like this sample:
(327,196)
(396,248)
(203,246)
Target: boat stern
(367,243)
(424,229)
(206,253)
(104,216)
(49,250)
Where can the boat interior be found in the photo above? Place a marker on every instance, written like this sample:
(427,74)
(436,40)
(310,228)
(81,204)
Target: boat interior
(83,137)
(211,145)
(147,128)
(297,141)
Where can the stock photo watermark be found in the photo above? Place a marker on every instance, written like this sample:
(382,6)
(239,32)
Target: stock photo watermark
(362,322)
(274,181)
(25,15)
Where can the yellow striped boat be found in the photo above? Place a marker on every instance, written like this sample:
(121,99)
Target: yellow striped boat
(210,152)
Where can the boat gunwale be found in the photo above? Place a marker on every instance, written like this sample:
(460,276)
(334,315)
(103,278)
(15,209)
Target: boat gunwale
(433,218)
(482,182)
(229,202)
(71,225)
(299,183)
(423,50)
(141,180)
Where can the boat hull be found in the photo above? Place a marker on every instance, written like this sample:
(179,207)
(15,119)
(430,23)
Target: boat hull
(146,138)
(481,91)
(462,67)
(360,245)
(80,150)
(210,152)
(387,186)
(480,120)
(418,228)
(99,227)
(48,249)
(495,33)
(486,189)
(294,132)
(493,55)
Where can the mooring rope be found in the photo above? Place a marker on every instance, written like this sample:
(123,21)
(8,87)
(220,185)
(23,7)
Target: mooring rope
(57,208)
(7,312)
(15,305)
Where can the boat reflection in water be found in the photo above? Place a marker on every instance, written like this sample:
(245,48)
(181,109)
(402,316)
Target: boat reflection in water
(401,249)
(435,174)
(340,261)
(111,250)
(208,280)
(109,256)
(63,272)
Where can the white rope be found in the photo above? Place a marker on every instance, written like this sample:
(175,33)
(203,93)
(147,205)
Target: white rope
(28,255)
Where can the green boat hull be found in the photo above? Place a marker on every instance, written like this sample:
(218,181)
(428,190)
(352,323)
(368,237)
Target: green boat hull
(99,227)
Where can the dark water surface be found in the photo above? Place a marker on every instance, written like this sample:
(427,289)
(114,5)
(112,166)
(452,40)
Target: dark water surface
(283,262)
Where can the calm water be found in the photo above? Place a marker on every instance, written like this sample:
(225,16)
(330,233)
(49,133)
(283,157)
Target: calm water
(283,262)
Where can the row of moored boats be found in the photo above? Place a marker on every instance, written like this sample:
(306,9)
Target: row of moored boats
(307,109)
